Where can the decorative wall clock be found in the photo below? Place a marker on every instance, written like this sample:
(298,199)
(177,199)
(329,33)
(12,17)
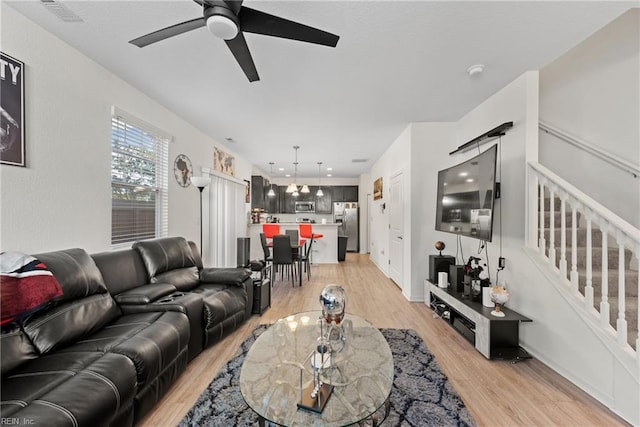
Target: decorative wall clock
(183,170)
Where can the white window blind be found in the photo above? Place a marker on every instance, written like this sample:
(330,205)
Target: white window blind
(139,180)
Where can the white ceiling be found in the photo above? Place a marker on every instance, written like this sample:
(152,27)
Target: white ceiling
(396,63)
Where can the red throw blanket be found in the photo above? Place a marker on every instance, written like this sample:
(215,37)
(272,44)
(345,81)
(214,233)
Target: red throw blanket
(26,286)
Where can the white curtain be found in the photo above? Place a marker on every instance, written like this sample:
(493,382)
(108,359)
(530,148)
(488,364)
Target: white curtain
(227,221)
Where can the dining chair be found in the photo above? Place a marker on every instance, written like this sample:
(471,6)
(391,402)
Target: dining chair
(283,257)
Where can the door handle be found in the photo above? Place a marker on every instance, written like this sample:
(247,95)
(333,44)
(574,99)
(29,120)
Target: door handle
(400,237)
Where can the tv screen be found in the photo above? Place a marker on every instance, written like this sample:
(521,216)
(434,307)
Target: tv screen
(465,197)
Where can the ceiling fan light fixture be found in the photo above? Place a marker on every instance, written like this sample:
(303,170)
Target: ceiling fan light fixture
(222,27)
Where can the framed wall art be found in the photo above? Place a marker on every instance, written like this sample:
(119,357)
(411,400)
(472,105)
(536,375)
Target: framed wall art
(223,162)
(377,189)
(12,131)
(247,191)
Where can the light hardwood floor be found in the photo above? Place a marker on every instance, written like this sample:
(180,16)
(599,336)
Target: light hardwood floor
(498,393)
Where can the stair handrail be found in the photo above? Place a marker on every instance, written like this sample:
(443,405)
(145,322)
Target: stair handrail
(631,233)
(583,145)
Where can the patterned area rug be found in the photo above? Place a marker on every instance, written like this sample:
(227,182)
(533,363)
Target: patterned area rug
(421,394)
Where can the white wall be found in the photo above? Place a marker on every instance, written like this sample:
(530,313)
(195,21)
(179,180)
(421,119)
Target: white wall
(431,144)
(63,197)
(593,93)
(396,159)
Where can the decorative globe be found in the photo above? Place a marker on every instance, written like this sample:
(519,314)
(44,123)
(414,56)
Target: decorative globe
(333,300)
(440,245)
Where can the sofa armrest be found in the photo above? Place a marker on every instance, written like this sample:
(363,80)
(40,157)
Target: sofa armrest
(145,294)
(224,276)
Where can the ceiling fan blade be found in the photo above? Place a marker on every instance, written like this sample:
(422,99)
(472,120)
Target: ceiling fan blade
(257,22)
(234,5)
(240,51)
(171,31)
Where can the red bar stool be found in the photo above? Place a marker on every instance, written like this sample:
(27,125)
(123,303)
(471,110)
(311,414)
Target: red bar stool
(270,230)
(306,232)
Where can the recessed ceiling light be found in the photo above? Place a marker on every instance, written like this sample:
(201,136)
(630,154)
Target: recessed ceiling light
(475,69)
(329,174)
(463,174)
(329,169)
(469,179)
(287,175)
(280,169)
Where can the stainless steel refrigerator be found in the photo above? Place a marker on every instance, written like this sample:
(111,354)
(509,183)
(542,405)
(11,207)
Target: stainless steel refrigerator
(346,214)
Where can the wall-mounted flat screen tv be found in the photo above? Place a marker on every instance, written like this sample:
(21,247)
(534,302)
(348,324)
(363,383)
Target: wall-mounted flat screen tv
(466,193)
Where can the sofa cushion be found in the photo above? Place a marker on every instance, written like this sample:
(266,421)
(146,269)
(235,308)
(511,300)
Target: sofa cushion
(160,255)
(221,301)
(184,279)
(121,270)
(65,324)
(16,349)
(224,276)
(69,389)
(151,340)
(145,294)
(76,272)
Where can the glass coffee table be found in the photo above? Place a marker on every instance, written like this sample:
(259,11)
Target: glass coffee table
(362,373)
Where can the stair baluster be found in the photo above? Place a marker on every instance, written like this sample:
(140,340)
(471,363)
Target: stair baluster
(621,323)
(574,250)
(605,318)
(563,235)
(588,290)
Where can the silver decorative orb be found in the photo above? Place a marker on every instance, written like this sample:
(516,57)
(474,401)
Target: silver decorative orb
(333,299)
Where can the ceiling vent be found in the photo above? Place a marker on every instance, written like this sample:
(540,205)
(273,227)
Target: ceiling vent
(61,11)
(359,160)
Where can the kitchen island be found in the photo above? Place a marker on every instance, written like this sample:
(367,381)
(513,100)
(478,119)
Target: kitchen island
(324,250)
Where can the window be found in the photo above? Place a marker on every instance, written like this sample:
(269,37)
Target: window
(139,183)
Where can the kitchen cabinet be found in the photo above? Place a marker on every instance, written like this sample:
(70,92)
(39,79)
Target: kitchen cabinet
(284,202)
(287,201)
(258,184)
(350,193)
(272,203)
(324,204)
(344,193)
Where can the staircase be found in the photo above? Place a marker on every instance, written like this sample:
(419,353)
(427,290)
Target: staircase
(607,268)
(593,253)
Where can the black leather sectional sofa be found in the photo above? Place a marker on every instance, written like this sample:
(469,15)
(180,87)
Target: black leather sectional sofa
(127,325)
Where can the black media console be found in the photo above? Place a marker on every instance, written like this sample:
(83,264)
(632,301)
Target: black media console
(494,337)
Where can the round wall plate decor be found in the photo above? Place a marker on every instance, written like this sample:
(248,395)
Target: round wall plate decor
(183,170)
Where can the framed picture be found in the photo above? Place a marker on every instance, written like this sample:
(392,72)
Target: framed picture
(377,189)
(223,162)
(12,132)
(247,191)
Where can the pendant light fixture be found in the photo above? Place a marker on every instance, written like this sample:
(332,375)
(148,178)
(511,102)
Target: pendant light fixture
(271,193)
(319,193)
(293,187)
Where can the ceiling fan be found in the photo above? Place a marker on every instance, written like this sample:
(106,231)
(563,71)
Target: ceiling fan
(228,20)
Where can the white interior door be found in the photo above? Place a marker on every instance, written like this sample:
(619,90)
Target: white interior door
(396,229)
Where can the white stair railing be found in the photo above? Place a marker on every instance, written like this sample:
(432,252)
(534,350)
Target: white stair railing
(548,188)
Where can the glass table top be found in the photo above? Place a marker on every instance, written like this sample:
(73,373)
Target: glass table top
(362,372)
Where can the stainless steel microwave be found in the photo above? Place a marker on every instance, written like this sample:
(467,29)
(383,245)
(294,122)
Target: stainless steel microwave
(305,207)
